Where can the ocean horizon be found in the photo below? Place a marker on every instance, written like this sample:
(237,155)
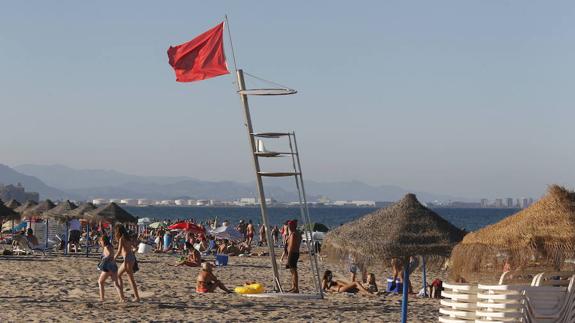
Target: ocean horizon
(469,219)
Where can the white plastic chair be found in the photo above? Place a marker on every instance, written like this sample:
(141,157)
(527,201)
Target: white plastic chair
(500,303)
(548,300)
(459,303)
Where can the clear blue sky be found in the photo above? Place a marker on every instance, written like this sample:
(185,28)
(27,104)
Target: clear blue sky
(469,98)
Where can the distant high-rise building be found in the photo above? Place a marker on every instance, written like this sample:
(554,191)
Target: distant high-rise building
(518,203)
(509,202)
(524,202)
(484,202)
(499,203)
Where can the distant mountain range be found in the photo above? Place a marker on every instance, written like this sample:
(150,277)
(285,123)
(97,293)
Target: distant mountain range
(60,182)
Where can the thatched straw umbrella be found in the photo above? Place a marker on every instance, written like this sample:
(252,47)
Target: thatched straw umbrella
(81,212)
(7,213)
(60,214)
(12,204)
(28,205)
(39,209)
(111,213)
(404,229)
(542,234)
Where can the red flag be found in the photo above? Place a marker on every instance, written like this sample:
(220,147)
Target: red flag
(201,58)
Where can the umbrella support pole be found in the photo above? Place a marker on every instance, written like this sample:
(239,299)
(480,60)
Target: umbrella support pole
(87,239)
(424,278)
(46,233)
(66,236)
(405,295)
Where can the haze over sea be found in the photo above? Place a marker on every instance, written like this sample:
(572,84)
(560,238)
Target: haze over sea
(470,219)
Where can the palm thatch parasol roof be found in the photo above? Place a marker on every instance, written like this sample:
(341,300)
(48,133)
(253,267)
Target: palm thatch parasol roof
(542,234)
(82,211)
(404,229)
(39,209)
(12,204)
(111,213)
(7,213)
(26,206)
(60,212)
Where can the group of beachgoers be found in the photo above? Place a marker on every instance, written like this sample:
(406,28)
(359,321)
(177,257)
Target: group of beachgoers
(192,245)
(108,265)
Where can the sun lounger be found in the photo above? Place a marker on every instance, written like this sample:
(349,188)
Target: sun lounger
(21,245)
(459,303)
(500,303)
(550,302)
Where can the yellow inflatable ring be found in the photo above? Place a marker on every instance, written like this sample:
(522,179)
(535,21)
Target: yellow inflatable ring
(250,289)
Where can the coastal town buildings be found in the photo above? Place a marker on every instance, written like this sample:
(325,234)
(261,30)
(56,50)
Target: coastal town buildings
(18,193)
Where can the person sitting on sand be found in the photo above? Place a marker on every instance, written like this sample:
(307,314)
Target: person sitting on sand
(232,250)
(208,282)
(339,286)
(194,258)
(223,247)
(109,268)
(31,237)
(245,248)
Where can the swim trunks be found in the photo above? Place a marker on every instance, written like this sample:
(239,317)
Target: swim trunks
(293,257)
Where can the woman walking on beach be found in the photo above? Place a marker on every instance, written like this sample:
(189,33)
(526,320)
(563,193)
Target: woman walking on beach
(108,267)
(129,266)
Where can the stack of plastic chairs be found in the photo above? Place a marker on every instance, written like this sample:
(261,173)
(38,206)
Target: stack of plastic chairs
(500,303)
(459,303)
(550,300)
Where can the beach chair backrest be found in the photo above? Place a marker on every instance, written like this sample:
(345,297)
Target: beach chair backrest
(458,303)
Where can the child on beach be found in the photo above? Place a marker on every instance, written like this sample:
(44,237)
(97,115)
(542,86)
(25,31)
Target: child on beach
(109,268)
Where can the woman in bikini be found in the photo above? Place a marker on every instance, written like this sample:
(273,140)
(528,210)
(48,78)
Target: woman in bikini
(208,282)
(125,250)
(338,286)
(109,268)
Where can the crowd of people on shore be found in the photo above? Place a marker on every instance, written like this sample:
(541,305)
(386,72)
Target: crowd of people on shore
(193,245)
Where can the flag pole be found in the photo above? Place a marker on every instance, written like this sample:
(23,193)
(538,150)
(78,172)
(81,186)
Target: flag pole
(227,23)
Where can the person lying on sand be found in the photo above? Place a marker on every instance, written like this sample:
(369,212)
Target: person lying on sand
(208,282)
(339,286)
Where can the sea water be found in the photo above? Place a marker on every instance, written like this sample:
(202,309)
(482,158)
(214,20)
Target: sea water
(468,218)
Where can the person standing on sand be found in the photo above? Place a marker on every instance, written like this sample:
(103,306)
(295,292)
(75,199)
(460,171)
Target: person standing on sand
(109,268)
(275,235)
(293,245)
(250,233)
(263,237)
(129,266)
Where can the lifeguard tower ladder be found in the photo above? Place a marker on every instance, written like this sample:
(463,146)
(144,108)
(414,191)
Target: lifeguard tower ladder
(258,151)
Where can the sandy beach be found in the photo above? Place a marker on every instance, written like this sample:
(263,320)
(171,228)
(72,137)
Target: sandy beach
(57,288)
